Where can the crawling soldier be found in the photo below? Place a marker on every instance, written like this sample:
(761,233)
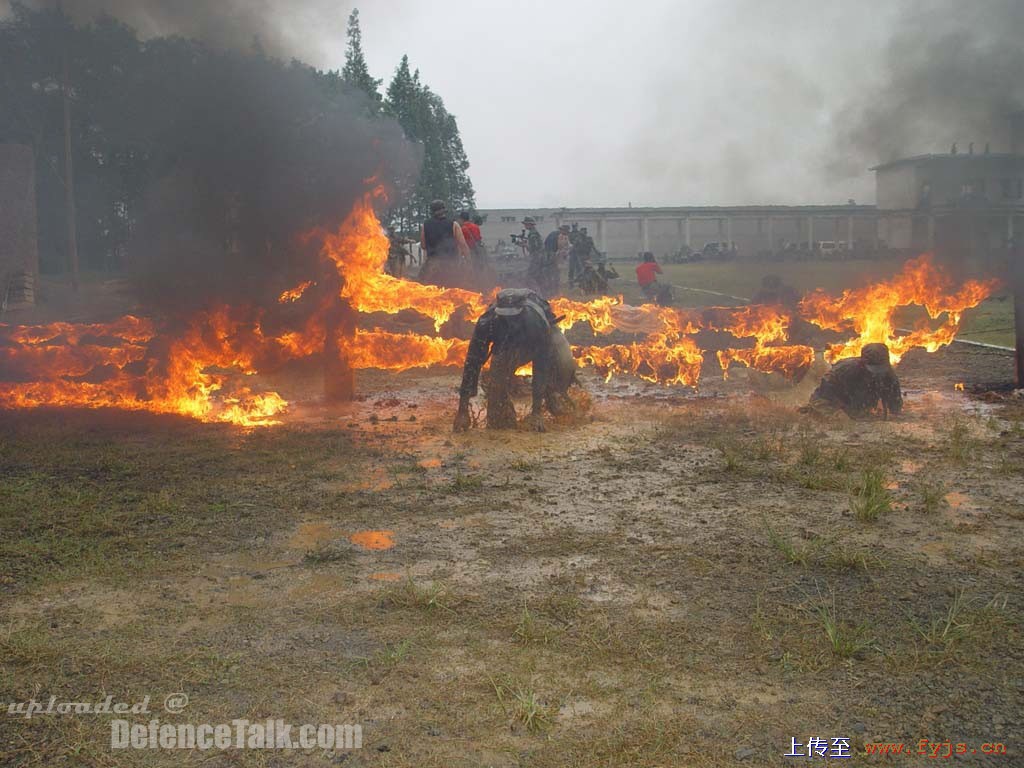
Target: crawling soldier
(856,385)
(518,328)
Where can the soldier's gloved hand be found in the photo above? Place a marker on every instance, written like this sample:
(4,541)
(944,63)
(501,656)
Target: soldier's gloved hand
(462,420)
(536,423)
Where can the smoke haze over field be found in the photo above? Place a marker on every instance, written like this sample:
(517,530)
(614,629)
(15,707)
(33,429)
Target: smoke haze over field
(660,102)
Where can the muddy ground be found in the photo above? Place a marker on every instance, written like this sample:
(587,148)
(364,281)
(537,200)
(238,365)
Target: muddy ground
(675,579)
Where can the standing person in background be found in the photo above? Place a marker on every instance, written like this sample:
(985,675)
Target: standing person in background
(484,276)
(539,271)
(470,232)
(551,241)
(446,250)
(397,254)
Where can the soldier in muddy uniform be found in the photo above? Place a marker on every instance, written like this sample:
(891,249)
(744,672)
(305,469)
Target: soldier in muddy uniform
(518,328)
(857,385)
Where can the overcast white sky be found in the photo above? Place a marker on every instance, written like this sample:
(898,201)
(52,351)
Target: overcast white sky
(661,102)
(654,102)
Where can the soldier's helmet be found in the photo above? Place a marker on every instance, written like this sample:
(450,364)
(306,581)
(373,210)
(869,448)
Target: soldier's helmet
(876,358)
(564,228)
(438,206)
(529,220)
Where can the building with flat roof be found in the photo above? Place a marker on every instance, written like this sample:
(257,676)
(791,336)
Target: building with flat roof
(625,232)
(926,201)
(961,201)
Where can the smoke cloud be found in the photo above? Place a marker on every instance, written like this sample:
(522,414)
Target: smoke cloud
(237,155)
(952,72)
(283,30)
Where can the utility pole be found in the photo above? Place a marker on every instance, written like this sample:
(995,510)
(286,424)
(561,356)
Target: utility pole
(1017,278)
(69,172)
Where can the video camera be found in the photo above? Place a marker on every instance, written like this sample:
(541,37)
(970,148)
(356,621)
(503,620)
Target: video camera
(519,239)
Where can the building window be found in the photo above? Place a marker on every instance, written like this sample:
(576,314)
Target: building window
(508,219)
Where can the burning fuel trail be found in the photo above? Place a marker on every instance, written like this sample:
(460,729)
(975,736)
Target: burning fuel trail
(199,369)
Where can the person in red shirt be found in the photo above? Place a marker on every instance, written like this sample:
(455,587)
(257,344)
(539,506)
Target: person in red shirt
(646,275)
(470,231)
(647,270)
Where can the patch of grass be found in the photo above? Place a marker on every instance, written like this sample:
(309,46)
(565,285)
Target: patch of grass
(523,705)
(958,442)
(562,607)
(462,483)
(810,454)
(327,554)
(931,496)
(767,447)
(760,621)
(870,498)
(845,640)
(946,630)
(532,629)
(431,597)
(850,558)
(393,655)
(731,454)
(796,553)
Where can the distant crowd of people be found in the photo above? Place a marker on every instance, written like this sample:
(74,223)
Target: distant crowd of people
(454,255)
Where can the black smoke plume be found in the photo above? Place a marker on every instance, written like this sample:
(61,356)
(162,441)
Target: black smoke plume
(953,72)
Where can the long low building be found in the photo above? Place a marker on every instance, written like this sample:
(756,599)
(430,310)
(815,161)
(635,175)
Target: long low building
(625,232)
(965,202)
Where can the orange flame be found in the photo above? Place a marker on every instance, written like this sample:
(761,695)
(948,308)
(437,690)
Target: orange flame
(296,293)
(868,312)
(198,370)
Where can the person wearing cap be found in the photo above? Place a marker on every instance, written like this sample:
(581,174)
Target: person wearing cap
(857,385)
(445,246)
(518,328)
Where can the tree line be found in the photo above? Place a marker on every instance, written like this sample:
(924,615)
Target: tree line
(189,157)
(444,173)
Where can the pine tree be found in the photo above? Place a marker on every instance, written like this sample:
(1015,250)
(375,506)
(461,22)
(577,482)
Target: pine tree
(424,118)
(355,72)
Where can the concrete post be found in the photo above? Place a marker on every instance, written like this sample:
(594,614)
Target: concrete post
(728,232)
(339,377)
(645,233)
(849,233)
(602,234)
(771,234)
(810,233)
(686,235)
